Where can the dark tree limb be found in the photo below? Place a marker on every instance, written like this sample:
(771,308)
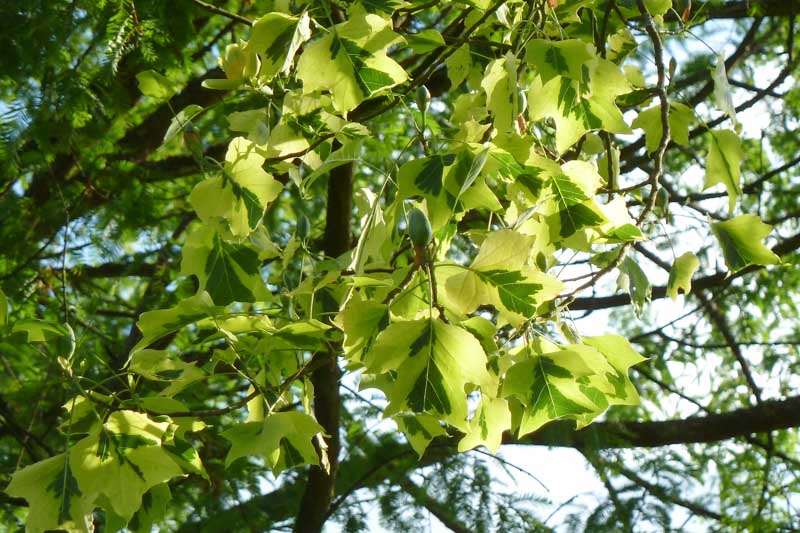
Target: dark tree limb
(321,483)
(768,416)
(436,508)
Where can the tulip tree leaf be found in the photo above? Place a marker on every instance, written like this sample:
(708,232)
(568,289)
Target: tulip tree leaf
(576,89)
(638,285)
(123,459)
(276,37)
(725,156)
(433,362)
(741,241)
(621,356)
(156,324)
(159,365)
(420,430)
(500,85)
(491,419)
(350,61)
(499,276)
(241,194)
(681,118)
(361,321)
(282,439)
(680,276)
(572,207)
(54,497)
(230,272)
(548,387)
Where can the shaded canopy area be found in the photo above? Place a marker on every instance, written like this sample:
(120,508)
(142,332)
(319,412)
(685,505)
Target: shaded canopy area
(94,208)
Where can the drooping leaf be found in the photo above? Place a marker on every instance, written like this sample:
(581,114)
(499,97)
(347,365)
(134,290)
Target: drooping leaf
(725,156)
(500,85)
(723,97)
(282,439)
(350,61)
(741,241)
(433,362)
(54,497)
(680,276)
(638,285)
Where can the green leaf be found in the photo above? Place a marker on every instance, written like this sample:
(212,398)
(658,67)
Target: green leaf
(722,92)
(658,7)
(500,84)
(241,195)
(39,330)
(548,387)
(499,276)
(433,362)
(350,61)
(583,104)
(621,356)
(680,276)
(486,428)
(567,58)
(459,65)
(420,430)
(229,272)
(741,241)
(155,85)
(276,37)
(123,459)
(425,41)
(181,121)
(252,122)
(361,321)
(636,283)
(725,156)
(153,510)
(160,365)
(156,324)
(282,439)
(571,206)
(681,118)
(55,499)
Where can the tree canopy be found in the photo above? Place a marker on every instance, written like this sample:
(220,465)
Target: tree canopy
(277,264)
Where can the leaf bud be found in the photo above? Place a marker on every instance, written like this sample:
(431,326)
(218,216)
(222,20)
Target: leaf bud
(419,228)
(423,98)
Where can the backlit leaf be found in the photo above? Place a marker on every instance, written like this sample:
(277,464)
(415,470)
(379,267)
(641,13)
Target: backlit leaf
(741,241)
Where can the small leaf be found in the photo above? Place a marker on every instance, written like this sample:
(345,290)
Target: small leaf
(638,284)
(680,277)
(180,121)
(155,85)
(722,92)
(741,241)
(725,156)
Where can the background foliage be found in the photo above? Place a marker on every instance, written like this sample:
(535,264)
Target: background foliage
(207,283)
